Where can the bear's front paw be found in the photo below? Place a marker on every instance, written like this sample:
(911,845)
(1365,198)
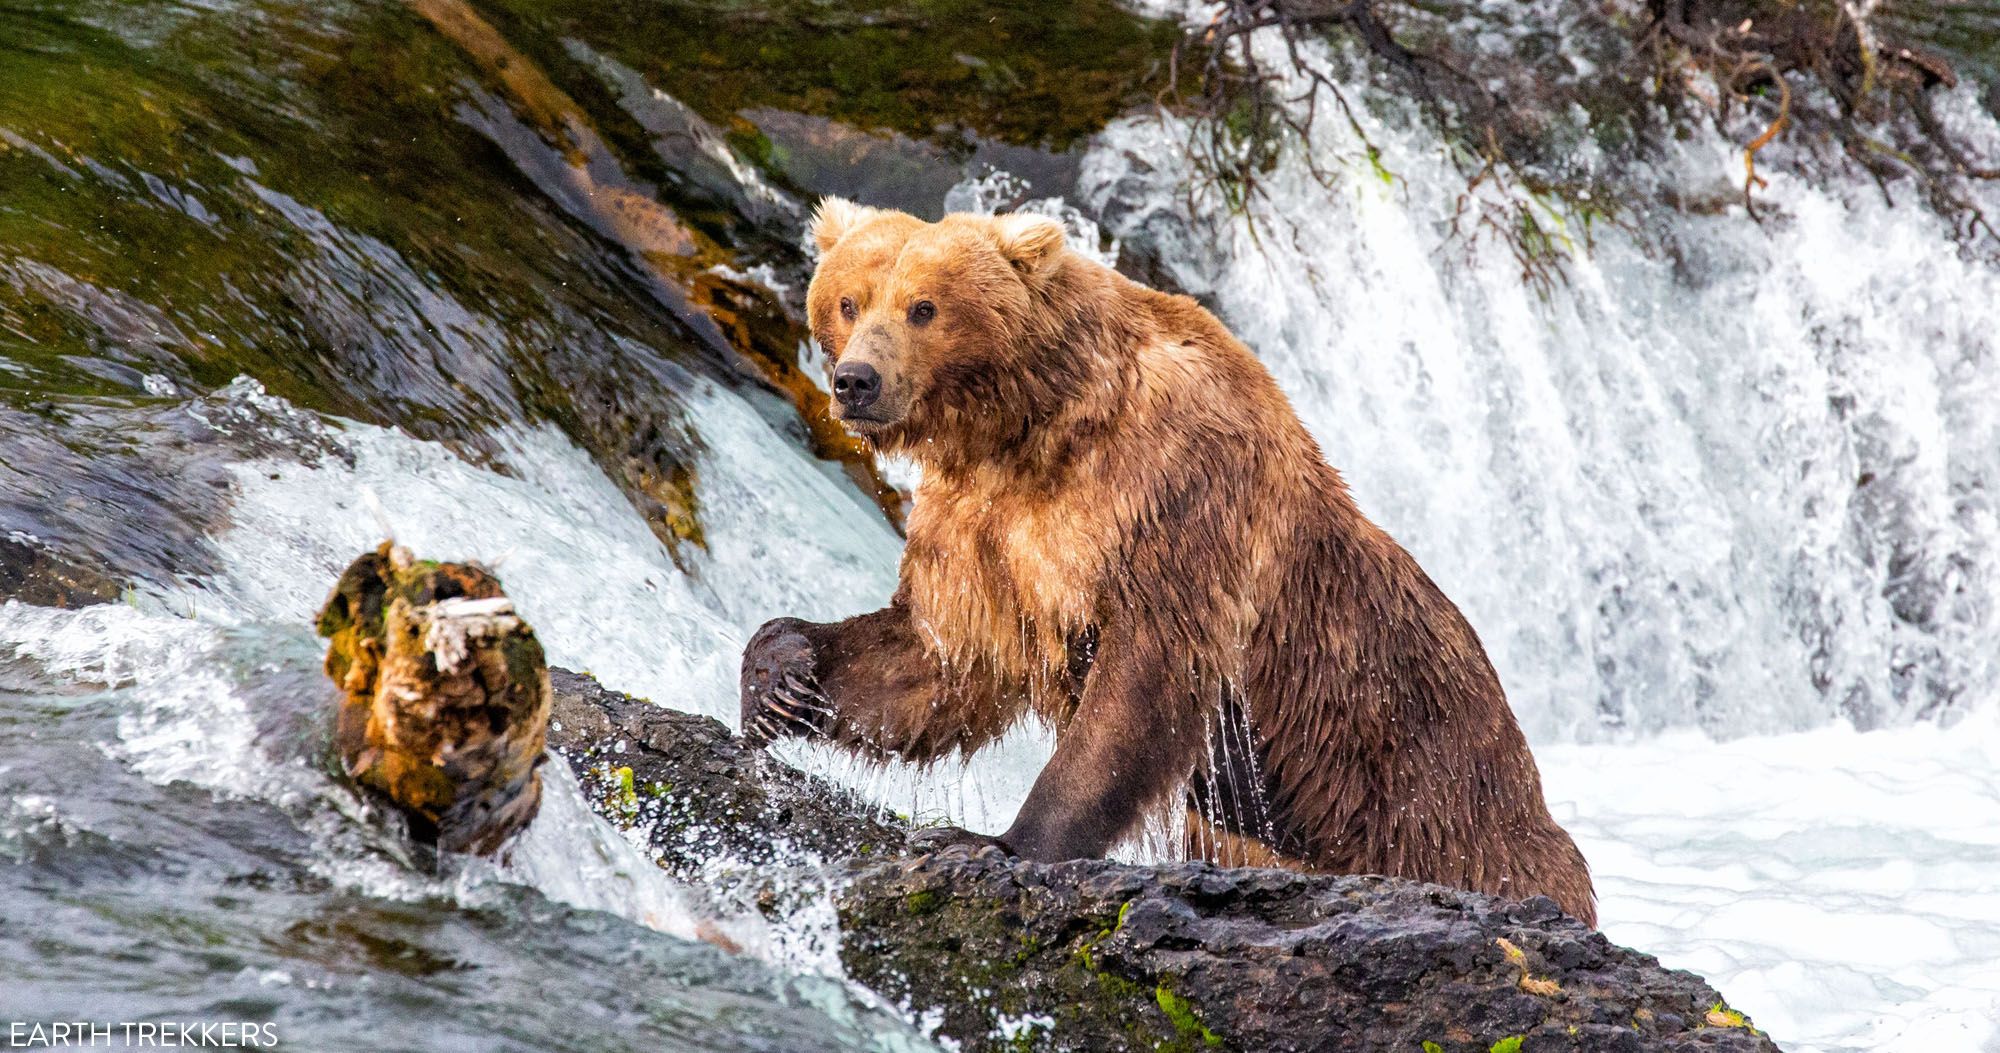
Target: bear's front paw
(781,694)
(939,838)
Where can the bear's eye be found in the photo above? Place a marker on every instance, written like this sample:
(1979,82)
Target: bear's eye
(922,311)
(847,310)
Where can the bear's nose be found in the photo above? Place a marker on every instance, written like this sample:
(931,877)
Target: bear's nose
(856,384)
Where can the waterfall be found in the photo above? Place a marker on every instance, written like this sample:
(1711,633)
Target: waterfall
(1729,474)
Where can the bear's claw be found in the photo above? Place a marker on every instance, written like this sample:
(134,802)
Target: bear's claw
(781,695)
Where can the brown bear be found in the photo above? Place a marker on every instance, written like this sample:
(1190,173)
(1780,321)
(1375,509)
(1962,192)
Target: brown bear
(1123,528)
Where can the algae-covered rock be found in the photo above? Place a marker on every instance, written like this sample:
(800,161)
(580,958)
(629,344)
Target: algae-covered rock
(445,703)
(1010,955)
(1106,956)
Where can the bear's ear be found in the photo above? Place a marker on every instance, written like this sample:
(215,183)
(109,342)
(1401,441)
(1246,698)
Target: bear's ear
(1029,242)
(836,217)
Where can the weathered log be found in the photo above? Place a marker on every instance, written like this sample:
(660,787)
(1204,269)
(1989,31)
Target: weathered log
(445,701)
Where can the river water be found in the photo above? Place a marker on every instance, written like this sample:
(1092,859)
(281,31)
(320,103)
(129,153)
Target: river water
(1719,502)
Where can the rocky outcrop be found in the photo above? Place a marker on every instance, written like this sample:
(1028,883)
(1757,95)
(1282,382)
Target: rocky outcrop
(446,702)
(1009,955)
(1104,956)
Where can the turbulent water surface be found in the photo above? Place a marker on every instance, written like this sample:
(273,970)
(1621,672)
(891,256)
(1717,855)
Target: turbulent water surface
(520,282)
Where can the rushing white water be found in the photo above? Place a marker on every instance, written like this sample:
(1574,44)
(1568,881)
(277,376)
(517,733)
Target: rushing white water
(1747,488)
(190,720)
(1837,885)
(582,567)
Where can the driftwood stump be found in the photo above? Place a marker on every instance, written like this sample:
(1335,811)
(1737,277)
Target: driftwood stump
(445,706)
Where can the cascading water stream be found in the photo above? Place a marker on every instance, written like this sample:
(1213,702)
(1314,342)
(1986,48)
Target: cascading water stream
(1726,475)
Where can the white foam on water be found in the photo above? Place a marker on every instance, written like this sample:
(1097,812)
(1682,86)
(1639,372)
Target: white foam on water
(184,718)
(582,568)
(1747,489)
(188,719)
(572,855)
(1838,886)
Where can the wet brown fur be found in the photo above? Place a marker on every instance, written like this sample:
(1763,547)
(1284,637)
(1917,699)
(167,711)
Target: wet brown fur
(1123,527)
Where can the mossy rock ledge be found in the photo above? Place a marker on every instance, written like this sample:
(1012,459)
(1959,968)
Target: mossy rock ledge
(1010,955)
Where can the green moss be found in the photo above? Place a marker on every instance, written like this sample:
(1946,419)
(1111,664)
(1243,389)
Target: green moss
(333,619)
(1186,1024)
(1720,1015)
(1117,988)
(626,799)
(1041,72)
(1510,1044)
(926,901)
(526,661)
(1029,948)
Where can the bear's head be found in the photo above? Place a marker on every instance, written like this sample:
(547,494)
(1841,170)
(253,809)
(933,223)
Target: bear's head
(931,328)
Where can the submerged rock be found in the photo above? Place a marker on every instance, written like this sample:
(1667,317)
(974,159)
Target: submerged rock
(33,574)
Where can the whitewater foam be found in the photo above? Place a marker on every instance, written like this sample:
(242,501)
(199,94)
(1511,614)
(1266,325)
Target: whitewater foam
(1835,885)
(1730,475)
(581,567)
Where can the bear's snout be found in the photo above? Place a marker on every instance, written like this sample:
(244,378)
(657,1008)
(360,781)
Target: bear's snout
(856,385)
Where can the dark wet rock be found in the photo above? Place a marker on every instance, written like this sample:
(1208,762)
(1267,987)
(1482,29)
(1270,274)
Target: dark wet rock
(1104,956)
(705,800)
(1007,954)
(31,573)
